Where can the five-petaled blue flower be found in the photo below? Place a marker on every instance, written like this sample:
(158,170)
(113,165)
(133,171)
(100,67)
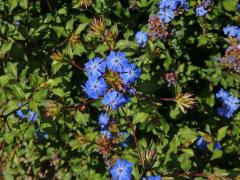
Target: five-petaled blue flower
(95,87)
(130,73)
(103,120)
(122,170)
(95,67)
(114,99)
(141,38)
(200,11)
(166,15)
(116,61)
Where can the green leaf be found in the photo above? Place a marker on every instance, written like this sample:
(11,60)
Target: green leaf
(59,92)
(56,66)
(82,118)
(222,133)
(11,69)
(202,40)
(23,4)
(140,117)
(12,5)
(230,5)
(216,154)
(6,47)
(80,28)
(10,107)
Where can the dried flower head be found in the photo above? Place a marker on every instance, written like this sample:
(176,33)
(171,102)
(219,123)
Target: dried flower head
(57,56)
(52,109)
(74,39)
(85,3)
(104,146)
(97,27)
(171,78)
(157,29)
(185,101)
(111,37)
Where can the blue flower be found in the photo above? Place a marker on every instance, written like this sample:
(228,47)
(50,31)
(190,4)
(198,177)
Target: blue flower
(200,11)
(103,119)
(122,170)
(222,94)
(217,145)
(202,144)
(152,178)
(206,3)
(141,38)
(30,115)
(225,112)
(116,61)
(172,4)
(166,15)
(95,87)
(169,4)
(106,133)
(231,31)
(229,104)
(20,114)
(114,99)
(95,67)
(163,4)
(130,73)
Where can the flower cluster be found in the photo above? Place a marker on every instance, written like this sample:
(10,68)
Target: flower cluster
(202,143)
(232,31)
(111,79)
(26,113)
(202,9)
(168,8)
(111,132)
(232,58)
(122,170)
(103,120)
(229,104)
(157,28)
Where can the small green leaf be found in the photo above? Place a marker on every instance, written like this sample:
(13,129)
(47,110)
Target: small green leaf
(216,154)
(140,117)
(82,118)
(222,133)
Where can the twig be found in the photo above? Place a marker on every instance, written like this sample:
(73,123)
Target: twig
(134,137)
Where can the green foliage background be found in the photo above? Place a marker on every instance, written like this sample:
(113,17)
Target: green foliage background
(31,30)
